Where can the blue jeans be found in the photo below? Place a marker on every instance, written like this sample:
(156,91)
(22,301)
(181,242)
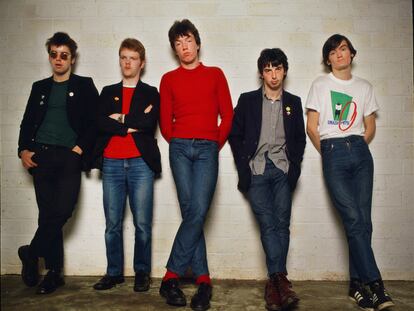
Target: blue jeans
(132,177)
(348,170)
(194,165)
(271,201)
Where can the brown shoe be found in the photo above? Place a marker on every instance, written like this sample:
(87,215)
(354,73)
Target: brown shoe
(288,297)
(272,296)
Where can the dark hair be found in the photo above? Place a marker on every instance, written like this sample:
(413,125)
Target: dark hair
(134,45)
(183,28)
(62,38)
(273,57)
(331,44)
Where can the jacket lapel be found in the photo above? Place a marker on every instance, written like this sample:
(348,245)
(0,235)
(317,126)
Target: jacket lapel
(117,98)
(72,94)
(45,92)
(256,110)
(42,99)
(286,111)
(136,95)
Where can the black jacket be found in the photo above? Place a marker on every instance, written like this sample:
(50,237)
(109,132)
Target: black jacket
(245,134)
(110,101)
(81,103)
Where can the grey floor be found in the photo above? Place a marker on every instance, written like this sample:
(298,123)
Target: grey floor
(228,295)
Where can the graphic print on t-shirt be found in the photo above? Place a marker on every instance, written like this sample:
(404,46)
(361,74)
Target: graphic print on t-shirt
(343,110)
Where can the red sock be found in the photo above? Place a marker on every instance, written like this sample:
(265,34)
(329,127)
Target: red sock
(170,275)
(204,278)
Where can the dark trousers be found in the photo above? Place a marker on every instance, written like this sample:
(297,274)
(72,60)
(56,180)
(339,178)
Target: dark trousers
(57,182)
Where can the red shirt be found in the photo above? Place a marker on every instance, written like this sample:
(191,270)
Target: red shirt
(192,100)
(123,147)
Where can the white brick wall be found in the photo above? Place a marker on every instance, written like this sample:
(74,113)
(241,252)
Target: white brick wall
(232,34)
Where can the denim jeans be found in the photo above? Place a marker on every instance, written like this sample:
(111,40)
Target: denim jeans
(132,177)
(194,165)
(271,201)
(348,171)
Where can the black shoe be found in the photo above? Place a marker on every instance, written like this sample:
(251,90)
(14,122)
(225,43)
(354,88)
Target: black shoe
(201,299)
(30,269)
(142,281)
(380,297)
(169,289)
(108,282)
(361,296)
(53,279)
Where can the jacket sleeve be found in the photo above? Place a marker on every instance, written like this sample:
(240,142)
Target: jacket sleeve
(106,124)
(296,146)
(87,140)
(145,122)
(27,124)
(300,135)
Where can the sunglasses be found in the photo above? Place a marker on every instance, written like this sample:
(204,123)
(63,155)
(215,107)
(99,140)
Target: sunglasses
(62,55)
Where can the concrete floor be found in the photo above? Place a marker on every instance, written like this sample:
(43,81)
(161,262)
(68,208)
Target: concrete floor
(228,295)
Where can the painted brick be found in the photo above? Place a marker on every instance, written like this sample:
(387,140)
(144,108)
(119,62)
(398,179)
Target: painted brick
(232,34)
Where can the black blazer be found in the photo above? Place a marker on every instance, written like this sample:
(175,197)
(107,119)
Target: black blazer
(81,103)
(110,101)
(245,134)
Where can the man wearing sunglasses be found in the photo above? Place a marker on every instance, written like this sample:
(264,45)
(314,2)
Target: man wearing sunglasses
(56,136)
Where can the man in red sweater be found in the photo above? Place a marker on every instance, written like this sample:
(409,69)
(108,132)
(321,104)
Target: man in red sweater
(192,98)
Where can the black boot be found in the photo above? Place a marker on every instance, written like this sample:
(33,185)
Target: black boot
(30,269)
(169,289)
(142,281)
(107,282)
(53,279)
(201,299)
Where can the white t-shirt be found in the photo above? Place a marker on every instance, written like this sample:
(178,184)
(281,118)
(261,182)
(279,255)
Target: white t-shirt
(342,105)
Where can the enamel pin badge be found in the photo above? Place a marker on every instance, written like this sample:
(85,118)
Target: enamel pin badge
(288,112)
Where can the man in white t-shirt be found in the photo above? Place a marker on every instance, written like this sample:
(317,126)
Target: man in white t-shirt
(341,122)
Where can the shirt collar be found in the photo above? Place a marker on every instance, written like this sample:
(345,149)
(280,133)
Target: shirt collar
(264,96)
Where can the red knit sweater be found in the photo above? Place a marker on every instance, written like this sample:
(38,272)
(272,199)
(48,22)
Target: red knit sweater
(192,100)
